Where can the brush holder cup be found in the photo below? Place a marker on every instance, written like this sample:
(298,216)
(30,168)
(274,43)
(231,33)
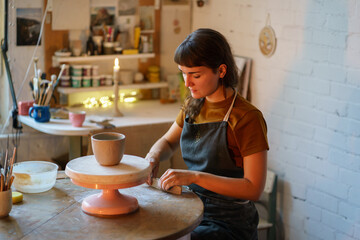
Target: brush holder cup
(40,113)
(5,203)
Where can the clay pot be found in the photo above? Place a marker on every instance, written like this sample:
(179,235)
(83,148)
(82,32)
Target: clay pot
(77,118)
(108,148)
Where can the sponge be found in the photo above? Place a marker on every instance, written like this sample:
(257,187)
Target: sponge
(17,197)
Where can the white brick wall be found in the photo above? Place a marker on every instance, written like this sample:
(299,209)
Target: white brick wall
(309,92)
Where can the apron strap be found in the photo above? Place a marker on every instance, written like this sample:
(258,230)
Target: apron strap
(226,118)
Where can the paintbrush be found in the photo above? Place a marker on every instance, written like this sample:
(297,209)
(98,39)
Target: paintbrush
(7,179)
(2,183)
(36,89)
(5,163)
(59,76)
(12,161)
(36,59)
(41,93)
(49,90)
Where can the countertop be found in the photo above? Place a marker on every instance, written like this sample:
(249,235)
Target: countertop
(56,214)
(135,114)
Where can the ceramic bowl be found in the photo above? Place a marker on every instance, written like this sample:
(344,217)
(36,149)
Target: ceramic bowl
(34,176)
(77,118)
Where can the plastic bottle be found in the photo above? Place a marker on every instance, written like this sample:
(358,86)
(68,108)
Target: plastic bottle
(151,46)
(90,46)
(145,44)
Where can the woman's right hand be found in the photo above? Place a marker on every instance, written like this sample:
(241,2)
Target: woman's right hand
(154,164)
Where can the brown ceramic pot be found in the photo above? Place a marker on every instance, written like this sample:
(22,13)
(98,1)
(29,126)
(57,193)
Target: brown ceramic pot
(108,147)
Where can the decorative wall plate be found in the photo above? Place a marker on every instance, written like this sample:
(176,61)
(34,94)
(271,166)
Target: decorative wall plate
(267,41)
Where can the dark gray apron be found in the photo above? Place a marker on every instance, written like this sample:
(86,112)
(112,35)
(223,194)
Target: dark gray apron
(204,148)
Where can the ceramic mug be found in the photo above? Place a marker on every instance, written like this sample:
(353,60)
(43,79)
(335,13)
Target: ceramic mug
(77,118)
(40,113)
(5,202)
(127,76)
(108,147)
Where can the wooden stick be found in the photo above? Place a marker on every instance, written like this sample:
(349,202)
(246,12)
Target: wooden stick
(2,182)
(11,181)
(48,94)
(12,161)
(41,95)
(9,176)
(5,162)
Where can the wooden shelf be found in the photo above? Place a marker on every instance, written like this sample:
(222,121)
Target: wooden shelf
(69,90)
(148,31)
(58,60)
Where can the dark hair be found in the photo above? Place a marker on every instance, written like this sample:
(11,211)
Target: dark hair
(209,48)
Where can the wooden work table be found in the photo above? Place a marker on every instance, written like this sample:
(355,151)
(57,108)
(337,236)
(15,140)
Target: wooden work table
(56,214)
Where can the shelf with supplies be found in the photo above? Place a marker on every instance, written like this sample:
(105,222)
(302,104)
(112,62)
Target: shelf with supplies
(69,90)
(58,60)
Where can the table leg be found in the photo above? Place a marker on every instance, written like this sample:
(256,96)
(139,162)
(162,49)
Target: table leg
(75,147)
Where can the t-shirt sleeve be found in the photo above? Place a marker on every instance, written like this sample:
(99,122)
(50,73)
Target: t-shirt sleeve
(251,133)
(180,119)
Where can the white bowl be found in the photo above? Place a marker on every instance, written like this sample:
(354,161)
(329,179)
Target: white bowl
(62,54)
(34,176)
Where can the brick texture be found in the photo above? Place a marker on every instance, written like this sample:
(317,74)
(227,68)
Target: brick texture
(309,92)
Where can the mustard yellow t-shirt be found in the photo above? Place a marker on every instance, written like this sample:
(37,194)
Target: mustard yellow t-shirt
(246,132)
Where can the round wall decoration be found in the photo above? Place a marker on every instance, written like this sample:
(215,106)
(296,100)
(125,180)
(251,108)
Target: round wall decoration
(267,40)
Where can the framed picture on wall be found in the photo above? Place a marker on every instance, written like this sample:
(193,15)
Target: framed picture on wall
(28,24)
(127,7)
(103,13)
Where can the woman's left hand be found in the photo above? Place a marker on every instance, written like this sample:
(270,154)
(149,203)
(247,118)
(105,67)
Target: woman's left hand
(177,177)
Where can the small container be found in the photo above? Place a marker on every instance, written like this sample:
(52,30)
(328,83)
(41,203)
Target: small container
(98,42)
(5,203)
(108,80)
(126,77)
(139,77)
(77,118)
(65,81)
(24,107)
(108,48)
(76,81)
(153,74)
(102,80)
(86,81)
(66,71)
(65,84)
(86,70)
(96,81)
(76,70)
(118,50)
(95,70)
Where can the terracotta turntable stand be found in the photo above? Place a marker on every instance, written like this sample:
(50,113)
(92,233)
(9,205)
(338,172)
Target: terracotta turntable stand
(87,172)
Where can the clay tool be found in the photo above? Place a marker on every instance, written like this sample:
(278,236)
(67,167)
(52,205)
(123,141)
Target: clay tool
(174,190)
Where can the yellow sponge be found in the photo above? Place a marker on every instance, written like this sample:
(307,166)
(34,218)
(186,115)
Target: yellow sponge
(17,197)
(130,51)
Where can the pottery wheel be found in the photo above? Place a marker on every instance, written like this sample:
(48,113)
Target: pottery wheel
(87,172)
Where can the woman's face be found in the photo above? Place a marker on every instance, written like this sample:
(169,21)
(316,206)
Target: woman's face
(202,81)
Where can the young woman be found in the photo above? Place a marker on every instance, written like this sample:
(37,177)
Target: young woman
(222,138)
